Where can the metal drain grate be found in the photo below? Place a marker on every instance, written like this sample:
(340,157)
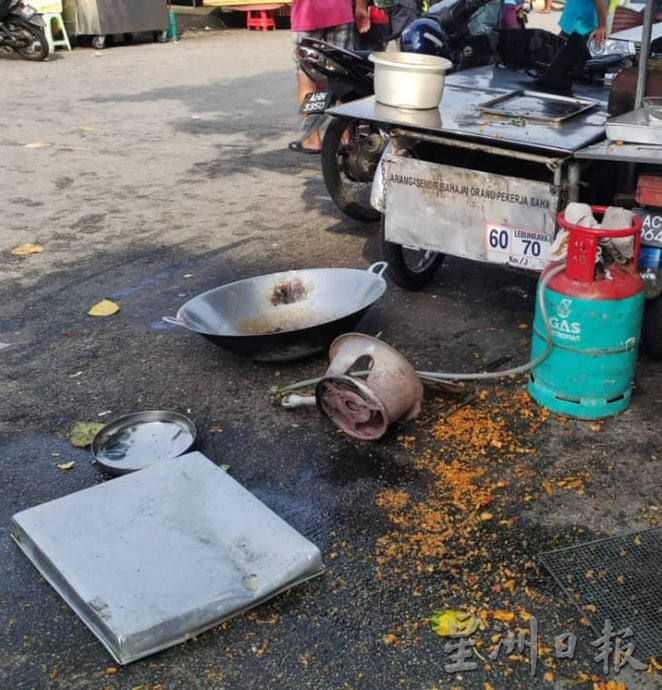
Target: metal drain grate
(619,579)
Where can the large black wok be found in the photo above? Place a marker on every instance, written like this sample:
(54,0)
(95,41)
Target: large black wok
(283,316)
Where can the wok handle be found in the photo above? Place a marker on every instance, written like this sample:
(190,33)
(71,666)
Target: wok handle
(378,267)
(173,321)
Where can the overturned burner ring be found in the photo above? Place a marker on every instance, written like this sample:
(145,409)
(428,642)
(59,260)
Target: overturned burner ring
(352,406)
(364,408)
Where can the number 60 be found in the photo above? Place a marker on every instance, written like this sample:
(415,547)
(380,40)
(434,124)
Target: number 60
(498,239)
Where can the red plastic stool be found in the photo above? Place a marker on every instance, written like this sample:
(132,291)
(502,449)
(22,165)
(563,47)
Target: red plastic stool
(260,19)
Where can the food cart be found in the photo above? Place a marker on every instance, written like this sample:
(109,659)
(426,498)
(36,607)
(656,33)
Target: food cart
(102,18)
(483,176)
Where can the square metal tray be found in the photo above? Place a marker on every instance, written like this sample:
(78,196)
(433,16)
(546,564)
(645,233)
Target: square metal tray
(636,127)
(537,105)
(155,557)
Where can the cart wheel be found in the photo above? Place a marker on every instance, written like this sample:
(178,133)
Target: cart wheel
(160,36)
(128,38)
(98,42)
(651,331)
(351,151)
(410,268)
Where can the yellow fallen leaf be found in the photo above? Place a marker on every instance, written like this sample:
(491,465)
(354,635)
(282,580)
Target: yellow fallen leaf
(503,616)
(66,465)
(83,433)
(548,677)
(523,326)
(104,308)
(449,623)
(27,248)
(486,516)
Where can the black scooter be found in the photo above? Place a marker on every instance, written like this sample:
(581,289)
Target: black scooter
(23,30)
(352,149)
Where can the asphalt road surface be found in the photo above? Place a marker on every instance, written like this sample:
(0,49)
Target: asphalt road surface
(150,173)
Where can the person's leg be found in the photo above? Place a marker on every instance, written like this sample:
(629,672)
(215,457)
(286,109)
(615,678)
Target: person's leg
(340,35)
(309,131)
(309,137)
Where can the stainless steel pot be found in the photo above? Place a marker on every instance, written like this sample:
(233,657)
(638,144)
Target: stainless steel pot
(283,316)
(409,80)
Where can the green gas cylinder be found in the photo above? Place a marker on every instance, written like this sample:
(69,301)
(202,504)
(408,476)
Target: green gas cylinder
(594,314)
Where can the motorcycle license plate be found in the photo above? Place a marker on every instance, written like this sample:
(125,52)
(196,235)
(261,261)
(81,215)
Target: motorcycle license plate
(316,102)
(27,11)
(651,227)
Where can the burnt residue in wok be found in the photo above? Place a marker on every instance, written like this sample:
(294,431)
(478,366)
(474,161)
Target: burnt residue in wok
(289,292)
(284,292)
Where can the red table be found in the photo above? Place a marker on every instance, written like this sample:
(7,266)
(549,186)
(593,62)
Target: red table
(259,17)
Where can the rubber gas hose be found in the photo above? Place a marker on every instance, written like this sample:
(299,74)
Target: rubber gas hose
(442,376)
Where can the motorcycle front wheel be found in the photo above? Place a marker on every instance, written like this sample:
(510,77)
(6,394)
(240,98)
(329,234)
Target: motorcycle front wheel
(36,45)
(411,269)
(351,151)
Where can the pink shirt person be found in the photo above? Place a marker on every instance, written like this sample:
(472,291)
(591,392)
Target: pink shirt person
(309,15)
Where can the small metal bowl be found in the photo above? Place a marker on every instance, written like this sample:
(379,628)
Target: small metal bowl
(142,439)
(653,105)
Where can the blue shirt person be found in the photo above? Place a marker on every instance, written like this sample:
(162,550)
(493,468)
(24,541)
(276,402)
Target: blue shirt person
(586,17)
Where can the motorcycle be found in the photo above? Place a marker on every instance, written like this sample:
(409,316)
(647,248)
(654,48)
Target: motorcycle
(23,30)
(352,149)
